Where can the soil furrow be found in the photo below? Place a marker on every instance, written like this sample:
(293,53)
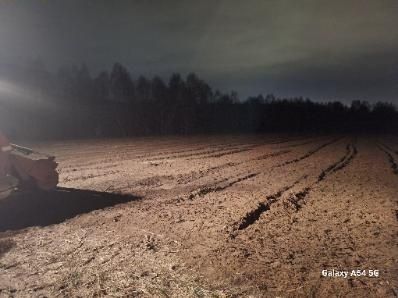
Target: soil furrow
(264,222)
(190,177)
(238,150)
(121,151)
(195,175)
(119,158)
(308,154)
(266,156)
(252,216)
(217,187)
(153,156)
(295,200)
(270,155)
(351,152)
(391,159)
(204,154)
(301,144)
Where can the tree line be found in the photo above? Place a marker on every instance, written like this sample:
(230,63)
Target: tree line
(71,103)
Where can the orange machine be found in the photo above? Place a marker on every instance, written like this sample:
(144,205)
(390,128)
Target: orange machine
(23,168)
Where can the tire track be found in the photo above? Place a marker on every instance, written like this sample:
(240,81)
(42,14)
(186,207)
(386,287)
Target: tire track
(393,163)
(121,155)
(193,176)
(216,146)
(308,154)
(351,152)
(181,179)
(312,140)
(116,159)
(296,199)
(233,164)
(196,175)
(225,146)
(205,154)
(110,154)
(270,155)
(252,216)
(239,150)
(218,186)
(206,189)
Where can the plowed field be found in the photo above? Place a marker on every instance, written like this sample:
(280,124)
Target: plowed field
(219,216)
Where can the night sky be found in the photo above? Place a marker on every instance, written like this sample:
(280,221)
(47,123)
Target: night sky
(327,50)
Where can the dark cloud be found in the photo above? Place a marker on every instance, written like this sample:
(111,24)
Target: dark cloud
(344,49)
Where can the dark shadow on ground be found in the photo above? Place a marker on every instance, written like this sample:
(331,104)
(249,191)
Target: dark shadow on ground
(27,209)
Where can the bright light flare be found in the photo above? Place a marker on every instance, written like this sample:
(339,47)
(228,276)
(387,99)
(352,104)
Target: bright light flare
(8,89)
(12,94)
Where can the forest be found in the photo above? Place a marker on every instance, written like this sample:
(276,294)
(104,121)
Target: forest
(71,103)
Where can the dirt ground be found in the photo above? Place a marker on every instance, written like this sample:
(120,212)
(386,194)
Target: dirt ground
(215,216)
